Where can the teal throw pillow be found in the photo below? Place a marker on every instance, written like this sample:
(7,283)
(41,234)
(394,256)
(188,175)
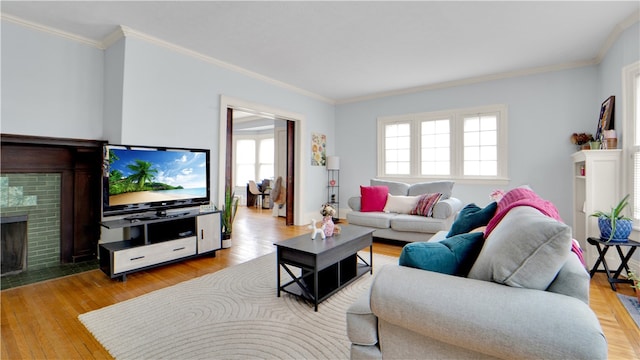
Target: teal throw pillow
(471,217)
(453,256)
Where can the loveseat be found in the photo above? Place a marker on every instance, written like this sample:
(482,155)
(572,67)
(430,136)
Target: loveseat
(392,218)
(525,296)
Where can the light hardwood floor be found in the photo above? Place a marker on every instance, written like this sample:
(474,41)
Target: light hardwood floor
(40,321)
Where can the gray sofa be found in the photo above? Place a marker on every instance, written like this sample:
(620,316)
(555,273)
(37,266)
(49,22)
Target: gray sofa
(416,314)
(405,227)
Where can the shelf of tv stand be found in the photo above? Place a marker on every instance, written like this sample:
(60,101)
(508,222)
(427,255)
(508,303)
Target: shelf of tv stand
(134,220)
(160,240)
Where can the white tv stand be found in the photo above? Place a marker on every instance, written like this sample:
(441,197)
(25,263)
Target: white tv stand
(152,241)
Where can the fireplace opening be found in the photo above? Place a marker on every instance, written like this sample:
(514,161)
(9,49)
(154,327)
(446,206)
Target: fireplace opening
(13,259)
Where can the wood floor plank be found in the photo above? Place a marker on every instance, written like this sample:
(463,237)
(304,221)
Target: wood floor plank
(40,321)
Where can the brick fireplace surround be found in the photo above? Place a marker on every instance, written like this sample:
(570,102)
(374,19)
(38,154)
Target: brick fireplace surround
(55,184)
(35,200)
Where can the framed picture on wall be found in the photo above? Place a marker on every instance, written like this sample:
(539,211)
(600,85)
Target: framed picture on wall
(605,121)
(318,149)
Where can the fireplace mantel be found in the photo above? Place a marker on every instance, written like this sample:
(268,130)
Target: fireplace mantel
(79,163)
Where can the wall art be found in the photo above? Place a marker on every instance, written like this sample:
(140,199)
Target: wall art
(318,149)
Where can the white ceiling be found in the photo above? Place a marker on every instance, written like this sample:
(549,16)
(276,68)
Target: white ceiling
(342,51)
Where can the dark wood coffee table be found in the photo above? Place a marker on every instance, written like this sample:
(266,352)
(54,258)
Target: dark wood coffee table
(326,266)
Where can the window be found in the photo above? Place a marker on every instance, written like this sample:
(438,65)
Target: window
(481,145)
(398,145)
(254,157)
(265,154)
(458,144)
(245,153)
(435,139)
(631,116)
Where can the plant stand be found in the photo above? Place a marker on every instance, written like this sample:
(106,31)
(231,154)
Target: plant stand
(603,246)
(333,191)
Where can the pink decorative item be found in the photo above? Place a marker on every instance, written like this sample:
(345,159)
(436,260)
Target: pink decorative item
(328,226)
(497,194)
(332,183)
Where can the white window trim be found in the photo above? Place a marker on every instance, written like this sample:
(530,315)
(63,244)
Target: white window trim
(456,116)
(629,74)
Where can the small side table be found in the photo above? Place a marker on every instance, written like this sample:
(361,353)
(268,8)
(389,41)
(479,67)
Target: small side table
(603,246)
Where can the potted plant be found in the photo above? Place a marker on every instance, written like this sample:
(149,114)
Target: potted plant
(229,210)
(614,226)
(582,140)
(631,275)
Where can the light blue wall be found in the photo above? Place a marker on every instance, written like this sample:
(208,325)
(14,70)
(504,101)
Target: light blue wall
(543,111)
(140,93)
(51,86)
(624,51)
(113,92)
(174,100)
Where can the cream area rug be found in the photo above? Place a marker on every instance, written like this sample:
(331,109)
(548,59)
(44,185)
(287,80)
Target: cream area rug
(230,314)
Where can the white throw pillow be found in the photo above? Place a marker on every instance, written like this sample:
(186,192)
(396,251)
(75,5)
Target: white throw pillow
(400,204)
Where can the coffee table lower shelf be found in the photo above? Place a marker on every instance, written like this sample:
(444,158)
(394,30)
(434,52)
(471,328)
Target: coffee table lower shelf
(330,280)
(322,267)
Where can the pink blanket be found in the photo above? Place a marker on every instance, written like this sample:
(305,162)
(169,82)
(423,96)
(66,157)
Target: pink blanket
(527,197)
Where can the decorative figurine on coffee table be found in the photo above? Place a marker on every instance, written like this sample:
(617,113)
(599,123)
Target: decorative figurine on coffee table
(328,212)
(317,228)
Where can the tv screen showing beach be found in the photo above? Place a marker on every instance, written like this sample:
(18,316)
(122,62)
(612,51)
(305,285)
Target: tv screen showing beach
(152,176)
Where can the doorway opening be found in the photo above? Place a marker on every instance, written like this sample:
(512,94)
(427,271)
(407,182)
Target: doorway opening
(247,127)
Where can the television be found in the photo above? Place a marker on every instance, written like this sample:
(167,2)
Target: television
(152,180)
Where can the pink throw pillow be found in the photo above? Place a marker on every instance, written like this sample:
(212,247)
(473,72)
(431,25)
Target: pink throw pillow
(374,198)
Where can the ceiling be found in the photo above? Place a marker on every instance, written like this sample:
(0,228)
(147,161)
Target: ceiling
(345,51)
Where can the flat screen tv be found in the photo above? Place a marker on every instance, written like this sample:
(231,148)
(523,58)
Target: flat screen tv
(153,179)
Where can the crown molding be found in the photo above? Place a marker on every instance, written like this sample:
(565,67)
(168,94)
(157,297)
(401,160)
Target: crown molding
(128,32)
(112,38)
(615,34)
(124,31)
(611,39)
(50,30)
(470,81)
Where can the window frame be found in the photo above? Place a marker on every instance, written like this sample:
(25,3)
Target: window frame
(630,79)
(456,126)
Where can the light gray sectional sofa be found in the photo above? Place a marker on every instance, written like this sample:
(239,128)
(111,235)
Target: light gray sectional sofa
(405,227)
(526,297)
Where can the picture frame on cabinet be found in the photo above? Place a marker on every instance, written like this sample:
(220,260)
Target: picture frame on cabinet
(606,119)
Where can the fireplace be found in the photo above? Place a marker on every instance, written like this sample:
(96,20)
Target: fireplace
(35,197)
(63,225)
(13,239)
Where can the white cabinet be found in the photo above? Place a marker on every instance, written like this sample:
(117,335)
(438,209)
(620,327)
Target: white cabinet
(597,185)
(159,240)
(209,237)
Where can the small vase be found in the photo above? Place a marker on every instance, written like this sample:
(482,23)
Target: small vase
(328,226)
(595,145)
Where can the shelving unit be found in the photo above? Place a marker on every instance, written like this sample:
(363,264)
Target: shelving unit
(157,241)
(333,190)
(596,186)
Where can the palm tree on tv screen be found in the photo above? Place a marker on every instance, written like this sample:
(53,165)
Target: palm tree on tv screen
(142,172)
